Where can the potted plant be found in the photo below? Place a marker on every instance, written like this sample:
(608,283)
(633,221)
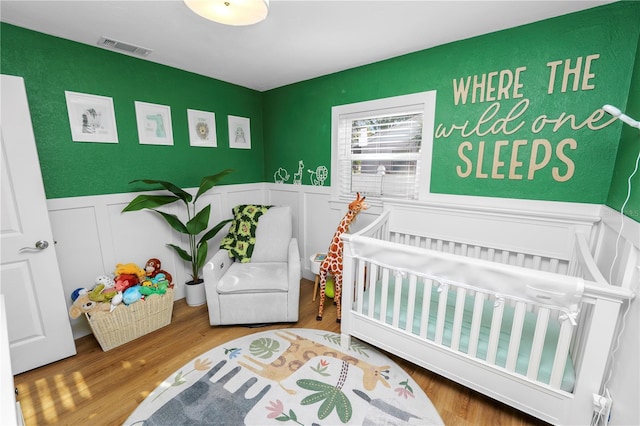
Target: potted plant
(197,223)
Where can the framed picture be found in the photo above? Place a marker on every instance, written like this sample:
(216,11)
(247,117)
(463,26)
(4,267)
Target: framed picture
(202,128)
(154,124)
(239,132)
(91,118)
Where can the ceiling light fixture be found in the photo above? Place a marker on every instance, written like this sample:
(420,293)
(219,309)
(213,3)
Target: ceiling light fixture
(231,12)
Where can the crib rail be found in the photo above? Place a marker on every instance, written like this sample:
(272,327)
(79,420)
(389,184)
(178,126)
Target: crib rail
(507,257)
(434,302)
(442,301)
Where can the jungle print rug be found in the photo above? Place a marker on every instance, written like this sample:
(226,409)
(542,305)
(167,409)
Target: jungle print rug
(288,377)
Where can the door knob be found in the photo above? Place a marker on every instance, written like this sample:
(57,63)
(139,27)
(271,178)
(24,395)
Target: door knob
(39,245)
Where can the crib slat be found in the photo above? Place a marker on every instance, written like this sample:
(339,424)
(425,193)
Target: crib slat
(457,320)
(373,282)
(384,295)
(491,255)
(426,305)
(537,263)
(412,303)
(360,284)
(538,342)
(494,334)
(562,350)
(442,311)
(516,334)
(478,306)
(396,299)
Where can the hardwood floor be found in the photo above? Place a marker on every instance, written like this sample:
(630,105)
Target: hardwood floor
(103,388)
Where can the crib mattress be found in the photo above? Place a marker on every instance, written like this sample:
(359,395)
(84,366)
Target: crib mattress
(524,351)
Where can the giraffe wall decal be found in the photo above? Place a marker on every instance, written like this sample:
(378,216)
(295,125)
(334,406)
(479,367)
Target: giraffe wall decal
(332,264)
(297,177)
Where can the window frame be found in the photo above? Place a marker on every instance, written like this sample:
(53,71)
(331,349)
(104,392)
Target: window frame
(425,101)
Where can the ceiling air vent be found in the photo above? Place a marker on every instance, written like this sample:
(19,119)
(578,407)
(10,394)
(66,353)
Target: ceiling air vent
(110,43)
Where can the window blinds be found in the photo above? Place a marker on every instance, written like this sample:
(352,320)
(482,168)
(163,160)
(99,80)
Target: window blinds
(379,152)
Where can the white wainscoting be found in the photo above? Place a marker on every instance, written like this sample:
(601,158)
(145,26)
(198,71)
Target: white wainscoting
(92,235)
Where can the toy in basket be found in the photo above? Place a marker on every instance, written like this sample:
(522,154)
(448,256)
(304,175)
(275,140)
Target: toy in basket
(135,302)
(128,322)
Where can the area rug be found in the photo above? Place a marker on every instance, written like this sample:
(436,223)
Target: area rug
(290,376)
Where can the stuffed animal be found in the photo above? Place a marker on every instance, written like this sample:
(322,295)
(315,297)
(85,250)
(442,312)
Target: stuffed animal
(161,288)
(99,294)
(154,268)
(83,304)
(124,281)
(108,282)
(117,299)
(131,295)
(77,292)
(130,268)
(157,280)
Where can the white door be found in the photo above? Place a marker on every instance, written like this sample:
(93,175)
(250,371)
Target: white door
(37,316)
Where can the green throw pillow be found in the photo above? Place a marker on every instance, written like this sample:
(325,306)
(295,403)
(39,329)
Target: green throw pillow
(241,238)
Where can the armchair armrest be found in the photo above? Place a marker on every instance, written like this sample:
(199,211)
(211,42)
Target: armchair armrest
(212,272)
(294,274)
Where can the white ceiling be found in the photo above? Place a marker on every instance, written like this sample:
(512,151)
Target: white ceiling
(299,39)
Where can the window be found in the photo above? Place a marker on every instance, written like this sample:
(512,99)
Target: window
(382,148)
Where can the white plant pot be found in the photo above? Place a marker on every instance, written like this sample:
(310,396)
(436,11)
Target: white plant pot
(195,294)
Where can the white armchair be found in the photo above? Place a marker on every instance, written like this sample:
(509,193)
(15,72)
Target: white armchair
(264,290)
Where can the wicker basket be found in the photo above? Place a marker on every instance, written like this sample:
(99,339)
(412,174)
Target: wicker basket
(126,323)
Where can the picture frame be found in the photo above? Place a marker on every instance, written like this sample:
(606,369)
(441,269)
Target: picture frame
(91,118)
(154,124)
(202,128)
(239,132)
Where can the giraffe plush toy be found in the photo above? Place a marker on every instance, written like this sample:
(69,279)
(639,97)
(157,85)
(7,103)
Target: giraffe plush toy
(332,264)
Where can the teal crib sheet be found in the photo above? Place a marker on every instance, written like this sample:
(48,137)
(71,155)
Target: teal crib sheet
(524,351)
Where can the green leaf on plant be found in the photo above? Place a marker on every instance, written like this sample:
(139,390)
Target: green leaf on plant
(201,257)
(199,222)
(214,231)
(181,252)
(177,191)
(174,222)
(209,182)
(149,202)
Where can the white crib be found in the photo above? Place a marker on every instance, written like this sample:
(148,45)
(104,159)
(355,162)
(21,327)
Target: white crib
(511,306)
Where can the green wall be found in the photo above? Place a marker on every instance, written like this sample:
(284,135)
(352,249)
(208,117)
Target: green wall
(628,152)
(596,49)
(589,158)
(51,65)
